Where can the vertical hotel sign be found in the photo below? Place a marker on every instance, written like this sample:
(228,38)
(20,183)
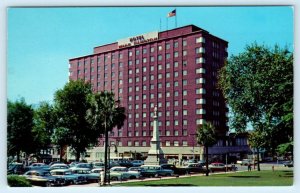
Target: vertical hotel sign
(140,39)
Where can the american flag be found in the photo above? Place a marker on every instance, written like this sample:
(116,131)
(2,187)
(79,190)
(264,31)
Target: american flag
(172,13)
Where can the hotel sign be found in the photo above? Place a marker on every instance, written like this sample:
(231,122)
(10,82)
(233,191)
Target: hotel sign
(140,39)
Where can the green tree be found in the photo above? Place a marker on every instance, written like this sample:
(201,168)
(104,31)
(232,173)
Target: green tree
(61,138)
(19,128)
(105,114)
(206,136)
(258,86)
(45,121)
(257,141)
(71,104)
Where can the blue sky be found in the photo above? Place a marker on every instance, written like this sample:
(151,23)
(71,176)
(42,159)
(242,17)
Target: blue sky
(42,40)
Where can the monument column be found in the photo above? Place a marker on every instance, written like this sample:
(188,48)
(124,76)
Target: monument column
(155,154)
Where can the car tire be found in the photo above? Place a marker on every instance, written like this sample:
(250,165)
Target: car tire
(48,184)
(114,178)
(132,177)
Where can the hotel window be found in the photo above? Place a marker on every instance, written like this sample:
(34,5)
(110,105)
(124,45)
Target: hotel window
(176,83)
(184,73)
(176,93)
(200,91)
(175,74)
(168,94)
(129,134)
(120,65)
(99,68)
(144,96)
(144,106)
(159,85)
(144,133)
(120,81)
(168,84)
(216,103)
(176,143)
(129,143)
(168,65)
(129,62)
(112,65)
(176,122)
(184,52)
(200,60)
(144,143)
(151,86)
(152,49)
(144,115)
(185,133)
(168,133)
(129,98)
(200,101)
(159,95)
(184,42)
(92,69)
(78,71)
(184,82)
(184,143)
(144,87)
(137,79)
(144,60)
(137,70)
(200,111)
(176,54)
(105,75)
(176,133)
(200,71)
(144,69)
(130,106)
(159,57)
(120,74)
(152,58)
(168,75)
(185,112)
(144,50)
(200,81)
(185,122)
(168,56)
(184,92)
(137,52)
(184,102)
(137,97)
(200,50)
(159,124)
(137,106)
(200,40)
(98,84)
(136,133)
(167,104)
(175,44)
(152,106)
(175,64)
(167,113)
(130,53)
(98,59)
(167,123)
(159,67)
(129,116)
(168,143)
(175,103)
(159,48)
(159,76)
(129,71)
(168,46)
(159,104)
(199,121)
(120,90)
(120,55)
(137,115)
(137,61)
(152,96)
(176,113)
(151,68)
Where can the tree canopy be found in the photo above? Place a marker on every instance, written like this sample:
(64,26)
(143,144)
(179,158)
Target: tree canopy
(258,86)
(71,104)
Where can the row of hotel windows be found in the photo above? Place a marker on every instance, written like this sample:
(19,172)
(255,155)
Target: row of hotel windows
(176,123)
(166,143)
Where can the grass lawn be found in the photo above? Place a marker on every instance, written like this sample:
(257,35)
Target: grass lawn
(253,178)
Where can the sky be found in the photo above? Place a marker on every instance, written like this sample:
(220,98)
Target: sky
(42,40)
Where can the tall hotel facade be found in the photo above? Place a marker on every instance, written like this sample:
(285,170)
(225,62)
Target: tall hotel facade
(175,70)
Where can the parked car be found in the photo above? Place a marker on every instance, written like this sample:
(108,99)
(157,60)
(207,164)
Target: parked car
(244,162)
(126,174)
(68,176)
(84,172)
(59,166)
(288,164)
(82,165)
(94,175)
(97,164)
(56,162)
(137,163)
(194,168)
(15,168)
(176,170)
(156,170)
(43,178)
(124,163)
(37,166)
(214,167)
(138,169)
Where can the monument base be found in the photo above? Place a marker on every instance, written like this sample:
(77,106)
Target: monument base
(155,160)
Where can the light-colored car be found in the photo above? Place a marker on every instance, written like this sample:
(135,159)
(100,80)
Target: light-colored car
(59,166)
(126,174)
(94,175)
(214,167)
(244,162)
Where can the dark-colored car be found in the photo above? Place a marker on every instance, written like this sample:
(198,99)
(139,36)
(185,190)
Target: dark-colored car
(68,176)
(194,168)
(15,168)
(288,164)
(156,170)
(125,163)
(43,178)
(178,171)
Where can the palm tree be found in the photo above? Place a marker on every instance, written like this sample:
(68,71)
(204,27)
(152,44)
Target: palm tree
(105,114)
(206,136)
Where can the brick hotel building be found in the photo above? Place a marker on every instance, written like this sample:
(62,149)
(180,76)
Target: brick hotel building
(175,70)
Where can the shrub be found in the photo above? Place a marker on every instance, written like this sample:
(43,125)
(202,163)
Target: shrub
(17,181)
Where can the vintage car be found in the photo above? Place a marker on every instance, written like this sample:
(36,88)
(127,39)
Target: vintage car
(155,171)
(43,178)
(59,166)
(126,174)
(94,175)
(68,176)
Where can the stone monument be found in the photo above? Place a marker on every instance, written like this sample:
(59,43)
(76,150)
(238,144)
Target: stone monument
(155,154)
